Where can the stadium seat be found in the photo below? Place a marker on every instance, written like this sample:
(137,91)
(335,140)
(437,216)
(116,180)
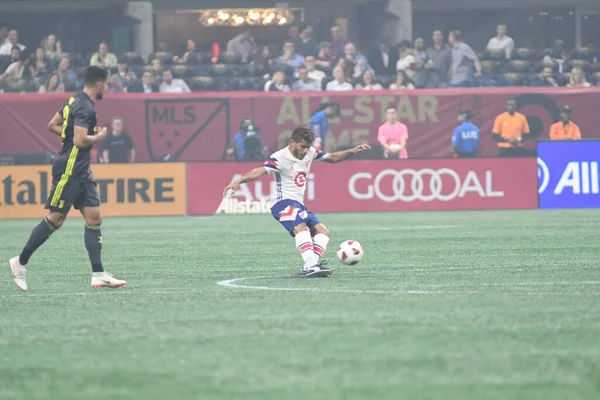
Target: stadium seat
(132,58)
(519,65)
(523,53)
(164,57)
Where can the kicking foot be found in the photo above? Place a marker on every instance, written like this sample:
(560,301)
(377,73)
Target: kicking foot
(104,279)
(19,273)
(317,271)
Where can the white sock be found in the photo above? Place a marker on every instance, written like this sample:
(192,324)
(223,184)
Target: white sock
(305,247)
(320,242)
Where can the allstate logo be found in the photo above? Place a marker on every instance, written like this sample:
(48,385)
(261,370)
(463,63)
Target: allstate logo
(543,175)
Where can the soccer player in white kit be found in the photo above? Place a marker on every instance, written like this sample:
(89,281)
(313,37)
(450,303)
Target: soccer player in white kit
(290,167)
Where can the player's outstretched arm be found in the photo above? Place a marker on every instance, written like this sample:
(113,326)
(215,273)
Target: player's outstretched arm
(338,156)
(249,176)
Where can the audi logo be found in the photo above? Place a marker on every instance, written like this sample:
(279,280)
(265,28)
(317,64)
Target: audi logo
(410,185)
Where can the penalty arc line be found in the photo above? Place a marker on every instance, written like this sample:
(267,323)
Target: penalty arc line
(232,283)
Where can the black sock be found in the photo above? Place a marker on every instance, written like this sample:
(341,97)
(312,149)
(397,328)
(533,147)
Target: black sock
(38,236)
(93,244)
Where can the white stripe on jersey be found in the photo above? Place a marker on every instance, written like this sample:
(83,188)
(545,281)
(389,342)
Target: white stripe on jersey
(291,173)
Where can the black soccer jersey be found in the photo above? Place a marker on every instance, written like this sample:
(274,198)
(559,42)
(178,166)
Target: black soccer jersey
(72,161)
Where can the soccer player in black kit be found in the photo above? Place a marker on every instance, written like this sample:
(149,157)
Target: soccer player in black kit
(72,180)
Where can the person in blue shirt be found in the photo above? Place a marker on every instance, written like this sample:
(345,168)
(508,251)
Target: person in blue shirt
(247,145)
(319,122)
(465,141)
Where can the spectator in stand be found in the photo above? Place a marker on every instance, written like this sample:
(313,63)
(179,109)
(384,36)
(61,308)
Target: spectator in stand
(38,67)
(52,48)
(578,78)
(118,147)
(556,57)
(66,76)
(510,129)
(156,68)
(545,78)
(402,81)
(306,44)
(243,46)
(277,84)
(13,79)
(367,82)
(501,43)
(170,85)
(565,129)
(290,57)
(393,135)
(407,59)
(146,85)
(339,81)
(11,41)
(384,59)
(313,73)
(464,60)
(103,57)
(324,59)
(319,122)
(338,41)
(52,85)
(190,47)
(440,60)
(421,60)
(293,33)
(125,75)
(114,84)
(304,82)
(263,57)
(465,141)
(350,54)
(350,68)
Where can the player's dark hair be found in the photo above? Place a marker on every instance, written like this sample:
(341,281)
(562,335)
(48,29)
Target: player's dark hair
(323,106)
(303,134)
(94,74)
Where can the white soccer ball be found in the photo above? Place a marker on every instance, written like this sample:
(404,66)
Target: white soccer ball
(350,252)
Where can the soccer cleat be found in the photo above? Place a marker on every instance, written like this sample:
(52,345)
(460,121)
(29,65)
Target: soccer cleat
(104,279)
(317,271)
(19,273)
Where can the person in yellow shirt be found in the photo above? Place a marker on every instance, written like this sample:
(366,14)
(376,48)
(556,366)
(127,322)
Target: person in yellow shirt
(510,129)
(565,129)
(103,57)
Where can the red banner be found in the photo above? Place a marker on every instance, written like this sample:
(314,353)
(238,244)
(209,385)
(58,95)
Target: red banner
(198,126)
(357,186)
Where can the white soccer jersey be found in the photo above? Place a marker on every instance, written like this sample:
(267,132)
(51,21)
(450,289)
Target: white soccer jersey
(290,173)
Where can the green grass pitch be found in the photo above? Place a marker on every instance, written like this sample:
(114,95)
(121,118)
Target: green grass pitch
(445,305)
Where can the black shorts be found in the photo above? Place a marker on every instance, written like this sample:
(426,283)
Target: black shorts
(70,191)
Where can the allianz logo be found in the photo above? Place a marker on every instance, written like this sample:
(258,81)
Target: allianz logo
(580,177)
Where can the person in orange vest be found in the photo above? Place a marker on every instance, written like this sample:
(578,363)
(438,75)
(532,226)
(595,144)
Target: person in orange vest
(565,129)
(510,129)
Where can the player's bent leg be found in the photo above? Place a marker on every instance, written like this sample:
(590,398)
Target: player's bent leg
(93,244)
(39,235)
(320,236)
